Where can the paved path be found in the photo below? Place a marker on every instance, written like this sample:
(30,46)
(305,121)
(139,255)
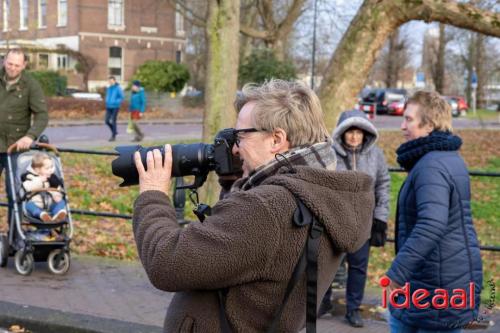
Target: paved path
(109,296)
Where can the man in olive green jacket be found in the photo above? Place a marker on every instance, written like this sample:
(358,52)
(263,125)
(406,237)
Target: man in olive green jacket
(21,97)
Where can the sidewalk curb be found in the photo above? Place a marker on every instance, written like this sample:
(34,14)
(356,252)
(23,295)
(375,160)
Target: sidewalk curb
(43,320)
(64,123)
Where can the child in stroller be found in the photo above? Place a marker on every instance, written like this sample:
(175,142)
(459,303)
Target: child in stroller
(37,187)
(39,176)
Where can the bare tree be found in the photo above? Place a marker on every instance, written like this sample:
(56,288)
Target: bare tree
(365,37)
(276,24)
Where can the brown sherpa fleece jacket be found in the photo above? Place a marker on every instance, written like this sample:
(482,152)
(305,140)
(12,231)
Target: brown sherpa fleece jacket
(250,246)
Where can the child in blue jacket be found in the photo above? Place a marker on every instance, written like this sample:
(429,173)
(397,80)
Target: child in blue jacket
(136,108)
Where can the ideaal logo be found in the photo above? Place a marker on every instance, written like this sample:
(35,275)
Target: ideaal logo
(441,299)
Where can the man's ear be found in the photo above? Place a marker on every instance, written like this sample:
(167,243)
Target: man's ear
(429,128)
(280,142)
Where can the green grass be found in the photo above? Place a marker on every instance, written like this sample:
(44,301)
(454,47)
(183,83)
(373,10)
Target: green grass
(482,114)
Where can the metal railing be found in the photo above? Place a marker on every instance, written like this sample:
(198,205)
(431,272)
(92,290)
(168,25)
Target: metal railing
(179,204)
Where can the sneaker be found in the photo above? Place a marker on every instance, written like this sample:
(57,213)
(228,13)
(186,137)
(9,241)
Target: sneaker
(354,318)
(60,216)
(45,217)
(112,138)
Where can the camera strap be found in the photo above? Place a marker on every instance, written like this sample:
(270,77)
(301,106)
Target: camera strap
(308,262)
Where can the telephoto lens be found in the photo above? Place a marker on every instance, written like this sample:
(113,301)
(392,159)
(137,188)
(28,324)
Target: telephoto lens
(196,159)
(187,160)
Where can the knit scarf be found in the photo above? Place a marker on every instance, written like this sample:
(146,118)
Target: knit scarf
(410,152)
(320,155)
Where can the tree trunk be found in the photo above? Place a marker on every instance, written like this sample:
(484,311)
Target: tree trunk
(439,73)
(480,62)
(392,58)
(375,21)
(222,74)
(248,18)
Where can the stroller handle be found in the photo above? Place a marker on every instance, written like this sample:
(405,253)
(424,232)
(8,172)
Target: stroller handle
(13,147)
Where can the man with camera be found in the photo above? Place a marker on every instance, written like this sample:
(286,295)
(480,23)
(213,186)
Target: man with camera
(233,272)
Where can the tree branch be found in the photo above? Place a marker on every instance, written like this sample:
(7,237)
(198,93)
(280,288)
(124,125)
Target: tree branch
(460,15)
(266,13)
(291,17)
(255,33)
(189,15)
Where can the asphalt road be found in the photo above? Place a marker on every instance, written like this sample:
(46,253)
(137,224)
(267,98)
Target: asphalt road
(93,135)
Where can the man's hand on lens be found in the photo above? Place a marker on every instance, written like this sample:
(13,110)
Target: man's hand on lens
(24,143)
(157,176)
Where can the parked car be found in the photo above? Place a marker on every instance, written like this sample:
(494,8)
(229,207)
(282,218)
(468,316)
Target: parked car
(458,105)
(397,108)
(380,99)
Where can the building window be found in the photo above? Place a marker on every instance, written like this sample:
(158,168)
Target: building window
(23,14)
(6,14)
(178,56)
(42,13)
(179,22)
(43,61)
(116,13)
(62,13)
(115,62)
(62,61)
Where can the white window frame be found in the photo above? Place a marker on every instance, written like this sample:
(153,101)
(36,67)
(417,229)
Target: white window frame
(22,15)
(6,6)
(62,20)
(62,58)
(122,63)
(179,22)
(41,14)
(113,9)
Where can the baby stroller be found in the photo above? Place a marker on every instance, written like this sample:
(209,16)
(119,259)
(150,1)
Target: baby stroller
(29,239)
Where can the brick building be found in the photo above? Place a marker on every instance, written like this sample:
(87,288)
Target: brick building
(117,35)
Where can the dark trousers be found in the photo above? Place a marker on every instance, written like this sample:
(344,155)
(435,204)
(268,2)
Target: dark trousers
(110,120)
(357,263)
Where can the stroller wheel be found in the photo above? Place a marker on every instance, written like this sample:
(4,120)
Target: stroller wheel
(24,267)
(58,264)
(4,250)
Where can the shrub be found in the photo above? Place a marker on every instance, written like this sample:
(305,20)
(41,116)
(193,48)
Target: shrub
(52,82)
(262,65)
(164,76)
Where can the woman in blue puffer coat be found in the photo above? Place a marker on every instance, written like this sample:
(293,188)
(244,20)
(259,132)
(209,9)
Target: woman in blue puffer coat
(436,243)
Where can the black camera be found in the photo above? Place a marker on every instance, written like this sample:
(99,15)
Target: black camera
(196,159)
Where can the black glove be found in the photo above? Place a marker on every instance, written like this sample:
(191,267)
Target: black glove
(379,233)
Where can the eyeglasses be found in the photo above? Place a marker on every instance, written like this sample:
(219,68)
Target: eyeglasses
(237,139)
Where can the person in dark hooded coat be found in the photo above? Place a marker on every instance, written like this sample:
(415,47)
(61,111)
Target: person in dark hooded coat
(354,142)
